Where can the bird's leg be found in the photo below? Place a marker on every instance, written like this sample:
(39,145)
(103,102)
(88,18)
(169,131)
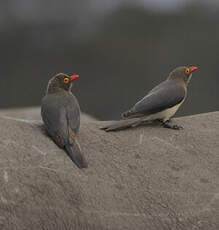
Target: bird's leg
(136,124)
(166,124)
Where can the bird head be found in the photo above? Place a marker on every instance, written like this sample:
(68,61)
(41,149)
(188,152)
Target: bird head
(183,73)
(60,82)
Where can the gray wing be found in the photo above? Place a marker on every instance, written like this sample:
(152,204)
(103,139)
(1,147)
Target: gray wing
(163,96)
(54,117)
(73,113)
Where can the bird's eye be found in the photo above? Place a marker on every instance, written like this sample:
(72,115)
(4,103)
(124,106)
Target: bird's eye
(66,80)
(187,71)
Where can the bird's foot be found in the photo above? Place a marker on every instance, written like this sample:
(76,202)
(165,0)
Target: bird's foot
(136,124)
(167,125)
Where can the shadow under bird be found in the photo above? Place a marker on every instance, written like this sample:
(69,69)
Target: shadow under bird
(60,112)
(161,103)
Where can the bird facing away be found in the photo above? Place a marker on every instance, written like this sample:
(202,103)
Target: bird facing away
(60,113)
(161,103)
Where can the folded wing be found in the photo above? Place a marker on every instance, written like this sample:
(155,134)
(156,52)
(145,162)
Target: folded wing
(163,96)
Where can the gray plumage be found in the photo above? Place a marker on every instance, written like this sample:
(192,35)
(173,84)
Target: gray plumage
(160,103)
(158,99)
(61,115)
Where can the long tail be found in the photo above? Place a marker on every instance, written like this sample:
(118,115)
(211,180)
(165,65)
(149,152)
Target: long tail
(76,155)
(122,124)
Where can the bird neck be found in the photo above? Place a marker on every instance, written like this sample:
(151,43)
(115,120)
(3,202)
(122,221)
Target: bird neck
(179,81)
(51,90)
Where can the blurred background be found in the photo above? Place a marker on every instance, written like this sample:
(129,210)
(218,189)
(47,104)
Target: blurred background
(120,48)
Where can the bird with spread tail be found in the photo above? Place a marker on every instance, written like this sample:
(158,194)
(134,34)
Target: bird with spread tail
(60,113)
(161,103)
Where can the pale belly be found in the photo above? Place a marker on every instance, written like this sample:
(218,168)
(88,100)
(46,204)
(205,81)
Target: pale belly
(164,115)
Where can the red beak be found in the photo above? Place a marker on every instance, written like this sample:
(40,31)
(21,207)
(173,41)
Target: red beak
(74,77)
(193,69)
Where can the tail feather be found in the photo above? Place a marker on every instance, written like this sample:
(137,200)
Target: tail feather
(126,114)
(122,124)
(131,114)
(76,155)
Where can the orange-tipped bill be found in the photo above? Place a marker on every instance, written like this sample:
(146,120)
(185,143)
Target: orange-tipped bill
(74,77)
(193,69)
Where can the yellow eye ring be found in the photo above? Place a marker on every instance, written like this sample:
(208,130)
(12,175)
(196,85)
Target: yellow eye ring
(66,80)
(187,71)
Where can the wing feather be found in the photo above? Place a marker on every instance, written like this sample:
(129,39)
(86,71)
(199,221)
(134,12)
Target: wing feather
(163,96)
(54,118)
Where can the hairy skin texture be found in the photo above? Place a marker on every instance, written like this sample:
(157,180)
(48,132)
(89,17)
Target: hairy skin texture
(143,178)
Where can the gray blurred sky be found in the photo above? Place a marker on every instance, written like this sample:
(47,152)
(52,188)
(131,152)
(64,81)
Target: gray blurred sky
(86,14)
(157,4)
(34,8)
(171,4)
(81,10)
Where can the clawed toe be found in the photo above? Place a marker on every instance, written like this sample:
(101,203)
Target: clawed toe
(169,126)
(177,127)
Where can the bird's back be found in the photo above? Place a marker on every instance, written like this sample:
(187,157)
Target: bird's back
(159,98)
(59,112)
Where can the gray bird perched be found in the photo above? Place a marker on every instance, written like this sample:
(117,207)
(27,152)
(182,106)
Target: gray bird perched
(161,103)
(60,112)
